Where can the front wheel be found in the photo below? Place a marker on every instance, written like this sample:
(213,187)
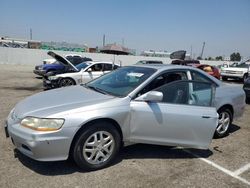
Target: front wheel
(64,82)
(97,146)
(224,78)
(225,120)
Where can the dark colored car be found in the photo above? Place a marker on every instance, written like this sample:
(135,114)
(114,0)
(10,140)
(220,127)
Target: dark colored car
(246,88)
(184,62)
(58,67)
(142,62)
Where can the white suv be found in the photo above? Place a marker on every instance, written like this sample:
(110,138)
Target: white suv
(236,71)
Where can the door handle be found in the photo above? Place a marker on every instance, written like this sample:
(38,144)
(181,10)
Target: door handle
(206,117)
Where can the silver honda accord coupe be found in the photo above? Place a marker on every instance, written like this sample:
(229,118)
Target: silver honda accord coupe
(152,104)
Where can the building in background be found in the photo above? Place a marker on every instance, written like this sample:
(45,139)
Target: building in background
(19,43)
(152,53)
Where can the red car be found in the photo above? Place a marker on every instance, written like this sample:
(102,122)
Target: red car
(212,70)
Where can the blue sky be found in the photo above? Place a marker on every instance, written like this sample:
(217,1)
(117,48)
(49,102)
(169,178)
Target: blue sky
(143,24)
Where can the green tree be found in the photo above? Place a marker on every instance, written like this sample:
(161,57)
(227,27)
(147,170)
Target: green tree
(219,58)
(235,56)
(210,58)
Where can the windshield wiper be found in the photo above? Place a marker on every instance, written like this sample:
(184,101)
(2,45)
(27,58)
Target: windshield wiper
(96,89)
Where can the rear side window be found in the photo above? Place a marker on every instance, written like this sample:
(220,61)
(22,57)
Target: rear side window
(196,76)
(243,65)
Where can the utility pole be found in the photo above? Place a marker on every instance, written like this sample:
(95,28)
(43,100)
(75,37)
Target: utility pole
(30,34)
(202,50)
(103,40)
(191,52)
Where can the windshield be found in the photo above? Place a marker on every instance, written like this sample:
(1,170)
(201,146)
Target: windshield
(82,66)
(121,81)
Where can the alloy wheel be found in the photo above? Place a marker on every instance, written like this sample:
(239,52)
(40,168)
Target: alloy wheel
(98,147)
(224,122)
(66,82)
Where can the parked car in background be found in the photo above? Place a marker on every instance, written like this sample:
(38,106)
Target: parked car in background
(246,88)
(149,62)
(211,70)
(57,66)
(86,71)
(184,62)
(166,105)
(49,61)
(236,71)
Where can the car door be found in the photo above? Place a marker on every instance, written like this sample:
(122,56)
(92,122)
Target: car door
(178,120)
(94,71)
(107,68)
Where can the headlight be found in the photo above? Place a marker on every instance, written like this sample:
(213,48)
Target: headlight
(42,124)
(53,78)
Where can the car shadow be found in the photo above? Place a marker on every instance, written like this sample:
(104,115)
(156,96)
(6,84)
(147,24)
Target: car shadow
(36,87)
(138,151)
(233,128)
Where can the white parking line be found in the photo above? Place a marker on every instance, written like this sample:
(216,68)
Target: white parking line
(242,169)
(226,171)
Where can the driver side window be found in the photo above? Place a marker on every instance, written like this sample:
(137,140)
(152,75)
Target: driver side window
(96,67)
(163,79)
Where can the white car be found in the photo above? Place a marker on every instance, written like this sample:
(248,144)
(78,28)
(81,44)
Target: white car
(81,73)
(236,71)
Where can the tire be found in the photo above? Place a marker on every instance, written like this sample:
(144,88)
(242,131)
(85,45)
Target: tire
(247,100)
(65,82)
(225,121)
(92,151)
(224,78)
(245,77)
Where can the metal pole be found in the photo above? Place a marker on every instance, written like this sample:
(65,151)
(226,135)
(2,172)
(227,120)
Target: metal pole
(103,40)
(30,34)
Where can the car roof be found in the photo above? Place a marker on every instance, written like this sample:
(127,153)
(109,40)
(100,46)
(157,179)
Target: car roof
(165,67)
(161,66)
(107,62)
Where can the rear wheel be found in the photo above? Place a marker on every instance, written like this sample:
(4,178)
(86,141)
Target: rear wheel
(64,82)
(97,146)
(225,120)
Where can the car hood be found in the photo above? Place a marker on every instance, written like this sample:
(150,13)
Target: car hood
(61,59)
(178,55)
(59,100)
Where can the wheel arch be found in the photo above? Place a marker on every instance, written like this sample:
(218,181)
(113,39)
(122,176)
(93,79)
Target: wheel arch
(61,78)
(227,106)
(91,122)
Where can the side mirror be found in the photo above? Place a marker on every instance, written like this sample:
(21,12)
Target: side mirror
(89,70)
(151,96)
